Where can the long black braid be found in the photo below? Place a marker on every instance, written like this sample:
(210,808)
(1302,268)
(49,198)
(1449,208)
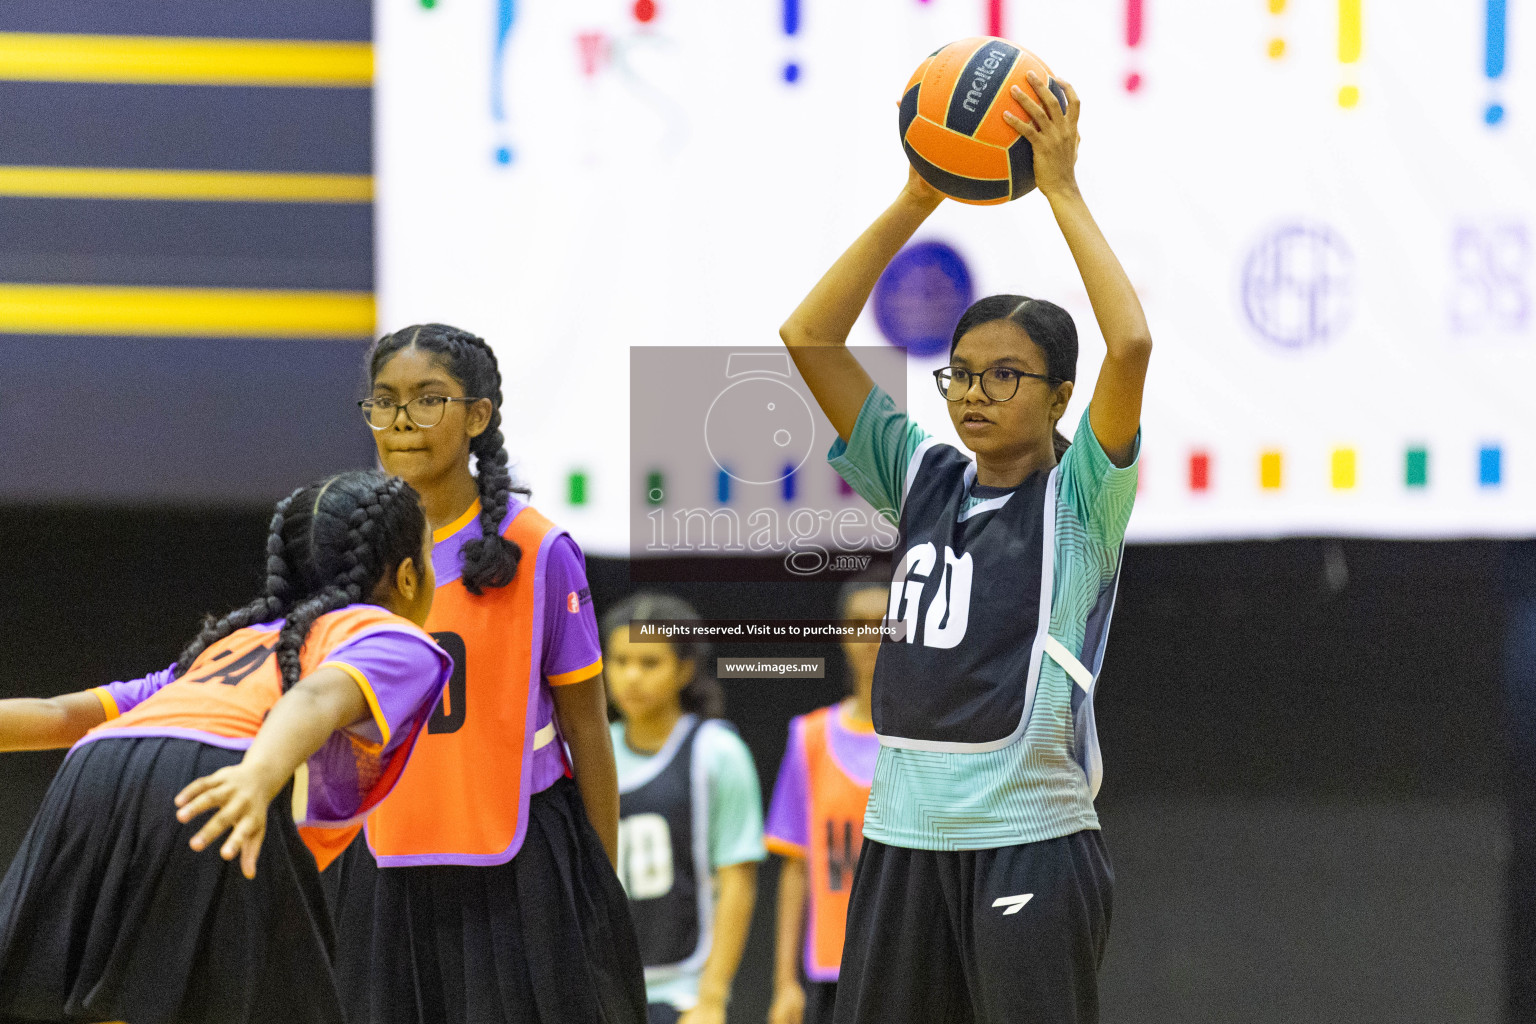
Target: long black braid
(490,560)
(330,545)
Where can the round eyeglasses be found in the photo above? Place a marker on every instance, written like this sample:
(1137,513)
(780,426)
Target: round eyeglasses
(998,383)
(426,411)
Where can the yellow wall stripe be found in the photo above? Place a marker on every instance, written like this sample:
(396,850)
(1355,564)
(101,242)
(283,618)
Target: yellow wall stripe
(174,60)
(147,183)
(184,312)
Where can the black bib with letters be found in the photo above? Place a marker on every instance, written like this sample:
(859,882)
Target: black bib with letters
(969,589)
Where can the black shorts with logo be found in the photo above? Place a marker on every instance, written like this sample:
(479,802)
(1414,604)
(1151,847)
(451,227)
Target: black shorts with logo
(1012,934)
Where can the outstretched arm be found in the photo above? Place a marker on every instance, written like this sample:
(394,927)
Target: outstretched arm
(1115,413)
(298,725)
(51,723)
(817,331)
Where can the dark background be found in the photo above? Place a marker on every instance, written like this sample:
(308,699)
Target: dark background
(1302,742)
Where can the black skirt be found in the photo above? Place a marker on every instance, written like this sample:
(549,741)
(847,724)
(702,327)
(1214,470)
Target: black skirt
(543,939)
(107,914)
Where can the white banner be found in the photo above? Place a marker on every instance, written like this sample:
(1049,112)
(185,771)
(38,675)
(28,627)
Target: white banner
(1329,213)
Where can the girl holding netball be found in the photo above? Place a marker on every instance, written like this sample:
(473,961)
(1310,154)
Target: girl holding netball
(816,825)
(691,832)
(486,889)
(983,891)
(317,690)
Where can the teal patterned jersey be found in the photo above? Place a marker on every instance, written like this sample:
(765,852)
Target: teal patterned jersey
(1039,781)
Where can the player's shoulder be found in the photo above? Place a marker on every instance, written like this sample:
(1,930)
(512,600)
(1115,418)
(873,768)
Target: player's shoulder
(721,745)
(526,522)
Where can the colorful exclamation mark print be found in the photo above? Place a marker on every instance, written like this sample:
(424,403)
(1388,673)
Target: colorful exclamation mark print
(429,4)
(1349,50)
(1416,468)
(655,488)
(1269,471)
(791,29)
(1493,61)
(787,482)
(1343,469)
(506,14)
(1134,23)
(1277,41)
(1490,468)
(995,17)
(723,487)
(1200,471)
(645,11)
(592,51)
(576,488)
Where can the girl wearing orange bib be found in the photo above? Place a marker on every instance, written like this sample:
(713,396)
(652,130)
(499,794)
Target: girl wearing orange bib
(316,690)
(816,824)
(485,890)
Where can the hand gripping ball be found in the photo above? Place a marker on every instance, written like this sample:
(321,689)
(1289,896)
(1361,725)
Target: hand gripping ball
(952,123)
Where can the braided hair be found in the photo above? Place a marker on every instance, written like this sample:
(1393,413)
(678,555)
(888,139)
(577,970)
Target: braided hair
(490,560)
(329,545)
(1048,325)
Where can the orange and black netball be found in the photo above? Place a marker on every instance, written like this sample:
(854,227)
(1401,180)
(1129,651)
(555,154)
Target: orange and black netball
(952,125)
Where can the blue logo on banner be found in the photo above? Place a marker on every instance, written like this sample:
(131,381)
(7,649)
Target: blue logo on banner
(1298,286)
(921,297)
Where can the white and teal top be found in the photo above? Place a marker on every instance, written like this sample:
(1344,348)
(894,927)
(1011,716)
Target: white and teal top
(985,708)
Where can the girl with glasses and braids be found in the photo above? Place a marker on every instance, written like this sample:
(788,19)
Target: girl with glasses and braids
(485,890)
(289,719)
(983,889)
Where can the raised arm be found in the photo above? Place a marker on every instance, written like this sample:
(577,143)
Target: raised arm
(817,331)
(48,723)
(1115,413)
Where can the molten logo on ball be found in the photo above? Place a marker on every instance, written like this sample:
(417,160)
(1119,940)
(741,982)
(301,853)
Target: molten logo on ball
(983,79)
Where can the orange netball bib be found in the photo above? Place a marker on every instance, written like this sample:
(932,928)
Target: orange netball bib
(463,798)
(837,834)
(229,689)
(232,685)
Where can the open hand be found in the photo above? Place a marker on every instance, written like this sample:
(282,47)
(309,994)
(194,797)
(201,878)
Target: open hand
(241,793)
(1052,134)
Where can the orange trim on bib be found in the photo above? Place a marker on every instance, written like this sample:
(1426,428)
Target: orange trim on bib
(442,534)
(576,675)
(108,702)
(783,847)
(368,695)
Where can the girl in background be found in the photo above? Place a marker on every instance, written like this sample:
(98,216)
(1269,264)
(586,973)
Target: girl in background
(691,831)
(816,824)
(487,892)
(316,689)
(983,890)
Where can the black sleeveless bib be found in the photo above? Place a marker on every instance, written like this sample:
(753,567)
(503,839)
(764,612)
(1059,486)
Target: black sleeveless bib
(973,590)
(664,854)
